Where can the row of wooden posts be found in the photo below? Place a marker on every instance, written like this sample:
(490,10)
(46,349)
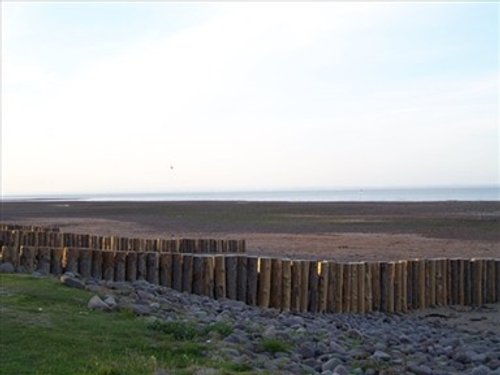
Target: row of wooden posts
(37,228)
(288,285)
(47,238)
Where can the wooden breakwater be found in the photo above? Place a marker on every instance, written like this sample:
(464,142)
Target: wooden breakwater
(16,236)
(284,284)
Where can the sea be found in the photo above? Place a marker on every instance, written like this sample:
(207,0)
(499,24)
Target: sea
(486,193)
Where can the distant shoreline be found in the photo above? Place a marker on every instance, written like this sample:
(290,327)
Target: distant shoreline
(441,194)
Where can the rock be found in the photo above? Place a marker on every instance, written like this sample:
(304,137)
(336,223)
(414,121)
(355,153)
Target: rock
(269,332)
(340,370)
(380,356)
(110,301)
(139,309)
(494,364)
(327,372)
(207,371)
(72,281)
(331,364)
(307,350)
(96,303)
(481,370)
(420,370)
(336,348)
(7,267)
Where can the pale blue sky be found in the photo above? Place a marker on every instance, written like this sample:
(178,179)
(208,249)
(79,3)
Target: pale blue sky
(106,97)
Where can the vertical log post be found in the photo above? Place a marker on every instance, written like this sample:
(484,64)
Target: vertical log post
(177,272)
(354,287)
(330,303)
(131,268)
(166,269)
(27,258)
(339,287)
(276,283)
(187,273)
(153,267)
(252,280)
(231,276)
(295,292)
(208,285)
(313,286)
(108,265)
(323,282)
(70,259)
(85,264)
(220,277)
(43,262)
(286,285)
(242,280)
(264,292)
(142,266)
(304,285)
(361,271)
(120,265)
(198,277)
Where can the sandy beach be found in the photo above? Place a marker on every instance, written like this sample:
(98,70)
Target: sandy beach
(323,230)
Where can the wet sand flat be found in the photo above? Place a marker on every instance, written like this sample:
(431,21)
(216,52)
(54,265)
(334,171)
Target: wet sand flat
(325,230)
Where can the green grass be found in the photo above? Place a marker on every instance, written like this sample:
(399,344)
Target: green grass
(275,346)
(46,328)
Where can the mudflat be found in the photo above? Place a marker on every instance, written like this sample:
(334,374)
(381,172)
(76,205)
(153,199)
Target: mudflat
(323,230)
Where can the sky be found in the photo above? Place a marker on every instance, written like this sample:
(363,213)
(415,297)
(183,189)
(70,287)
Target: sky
(175,97)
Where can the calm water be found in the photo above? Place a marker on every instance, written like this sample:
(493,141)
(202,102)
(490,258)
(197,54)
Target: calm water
(357,195)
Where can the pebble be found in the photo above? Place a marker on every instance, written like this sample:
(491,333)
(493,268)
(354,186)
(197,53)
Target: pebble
(328,344)
(7,267)
(71,281)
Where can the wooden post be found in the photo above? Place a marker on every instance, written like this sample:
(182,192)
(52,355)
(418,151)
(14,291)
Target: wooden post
(295,292)
(131,270)
(376,295)
(198,277)
(323,282)
(120,265)
(404,289)
(497,280)
(27,258)
(313,286)
(208,285)
(264,282)
(421,284)
(187,273)
(347,288)
(330,299)
(252,280)
(361,270)
(153,267)
(43,260)
(242,279)
(166,269)
(468,282)
(354,287)
(477,271)
(220,277)
(492,288)
(286,292)
(444,271)
(70,259)
(439,283)
(85,264)
(231,276)
(108,265)
(304,285)
(398,287)
(276,283)
(10,254)
(177,271)
(368,288)
(339,287)
(431,269)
